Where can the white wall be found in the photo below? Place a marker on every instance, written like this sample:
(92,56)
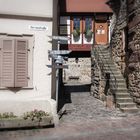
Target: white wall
(40,96)
(40,8)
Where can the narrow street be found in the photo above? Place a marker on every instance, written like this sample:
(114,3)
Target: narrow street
(70,70)
(86,118)
(83,107)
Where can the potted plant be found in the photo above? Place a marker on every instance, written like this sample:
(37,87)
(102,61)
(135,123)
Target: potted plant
(76,33)
(88,33)
(35,118)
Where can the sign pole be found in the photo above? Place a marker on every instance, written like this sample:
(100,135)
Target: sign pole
(57,57)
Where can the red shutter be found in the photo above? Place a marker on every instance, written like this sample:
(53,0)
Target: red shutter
(7,63)
(21,65)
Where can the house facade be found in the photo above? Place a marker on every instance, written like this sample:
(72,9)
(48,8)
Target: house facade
(86,23)
(25,80)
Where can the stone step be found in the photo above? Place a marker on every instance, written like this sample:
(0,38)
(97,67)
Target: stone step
(115,74)
(121,89)
(114,90)
(119,77)
(109,64)
(114,86)
(105,61)
(123,85)
(114,71)
(108,67)
(126,105)
(102,51)
(129,109)
(119,81)
(122,100)
(119,84)
(122,95)
(107,56)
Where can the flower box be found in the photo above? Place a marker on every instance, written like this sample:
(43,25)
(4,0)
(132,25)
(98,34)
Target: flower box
(13,123)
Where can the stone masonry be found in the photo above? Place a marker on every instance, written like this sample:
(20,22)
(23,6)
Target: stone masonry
(79,70)
(98,81)
(117,42)
(125,43)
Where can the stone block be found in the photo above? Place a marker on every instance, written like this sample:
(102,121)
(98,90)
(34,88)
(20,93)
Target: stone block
(135,94)
(109,101)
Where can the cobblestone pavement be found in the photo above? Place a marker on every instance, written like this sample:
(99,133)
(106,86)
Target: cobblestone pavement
(85,107)
(86,118)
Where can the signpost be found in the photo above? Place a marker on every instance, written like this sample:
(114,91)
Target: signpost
(58,56)
(59,38)
(58,66)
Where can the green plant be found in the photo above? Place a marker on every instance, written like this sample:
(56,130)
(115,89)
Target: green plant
(7,115)
(88,33)
(76,32)
(35,115)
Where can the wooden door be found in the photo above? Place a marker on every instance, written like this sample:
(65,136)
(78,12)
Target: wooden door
(101,33)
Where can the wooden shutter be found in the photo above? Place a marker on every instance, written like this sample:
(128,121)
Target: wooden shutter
(7,63)
(21,65)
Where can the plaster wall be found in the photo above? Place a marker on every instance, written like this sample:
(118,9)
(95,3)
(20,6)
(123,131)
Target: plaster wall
(39,96)
(41,8)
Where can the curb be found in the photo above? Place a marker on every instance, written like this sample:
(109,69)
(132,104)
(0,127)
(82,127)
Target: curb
(18,123)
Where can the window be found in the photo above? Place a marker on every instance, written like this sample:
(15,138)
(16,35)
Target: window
(88,30)
(82,30)
(76,30)
(15,61)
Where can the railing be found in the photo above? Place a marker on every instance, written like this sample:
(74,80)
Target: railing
(101,62)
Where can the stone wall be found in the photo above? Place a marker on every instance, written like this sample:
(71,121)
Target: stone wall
(118,39)
(125,43)
(79,70)
(134,49)
(98,81)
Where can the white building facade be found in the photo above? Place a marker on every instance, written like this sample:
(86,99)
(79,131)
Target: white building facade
(25,82)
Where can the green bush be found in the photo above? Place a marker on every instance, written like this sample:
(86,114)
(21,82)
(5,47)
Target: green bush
(35,115)
(76,32)
(88,33)
(7,115)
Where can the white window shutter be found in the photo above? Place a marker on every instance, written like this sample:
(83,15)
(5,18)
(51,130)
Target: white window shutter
(21,63)
(7,63)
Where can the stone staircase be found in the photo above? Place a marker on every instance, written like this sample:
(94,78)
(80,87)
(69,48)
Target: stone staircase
(118,87)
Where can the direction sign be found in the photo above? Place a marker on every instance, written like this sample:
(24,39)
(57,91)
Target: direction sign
(58,66)
(59,52)
(59,38)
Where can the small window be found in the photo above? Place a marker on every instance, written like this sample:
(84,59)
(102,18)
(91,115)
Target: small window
(15,61)
(76,30)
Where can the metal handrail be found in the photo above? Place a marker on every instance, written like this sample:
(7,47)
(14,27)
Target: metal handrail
(102,66)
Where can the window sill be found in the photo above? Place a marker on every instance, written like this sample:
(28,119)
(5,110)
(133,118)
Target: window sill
(16,88)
